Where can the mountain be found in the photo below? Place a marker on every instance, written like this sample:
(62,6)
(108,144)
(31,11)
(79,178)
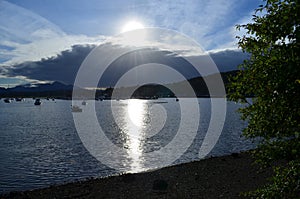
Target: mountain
(55,89)
(55,86)
(198,84)
(60,90)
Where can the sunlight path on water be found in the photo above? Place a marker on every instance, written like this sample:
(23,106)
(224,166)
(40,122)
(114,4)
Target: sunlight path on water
(136,110)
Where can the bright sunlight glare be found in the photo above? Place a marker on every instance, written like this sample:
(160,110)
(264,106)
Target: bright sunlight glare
(136,111)
(132,25)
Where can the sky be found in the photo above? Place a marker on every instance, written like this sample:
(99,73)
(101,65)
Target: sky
(34,33)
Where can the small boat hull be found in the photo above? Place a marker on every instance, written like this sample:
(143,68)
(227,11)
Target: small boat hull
(37,102)
(7,100)
(76,109)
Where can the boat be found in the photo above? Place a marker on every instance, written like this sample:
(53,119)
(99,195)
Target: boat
(84,103)
(177,99)
(7,100)
(19,99)
(76,108)
(37,102)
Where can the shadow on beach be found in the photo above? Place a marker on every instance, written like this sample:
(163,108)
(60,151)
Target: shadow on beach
(217,177)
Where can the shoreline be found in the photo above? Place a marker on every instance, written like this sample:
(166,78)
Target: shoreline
(216,177)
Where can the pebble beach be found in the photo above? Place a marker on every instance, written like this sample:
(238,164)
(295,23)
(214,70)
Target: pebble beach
(215,177)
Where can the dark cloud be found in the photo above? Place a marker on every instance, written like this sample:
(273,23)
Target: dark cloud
(64,66)
(147,56)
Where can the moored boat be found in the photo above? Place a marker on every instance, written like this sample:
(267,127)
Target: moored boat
(76,108)
(7,100)
(19,99)
(37,102)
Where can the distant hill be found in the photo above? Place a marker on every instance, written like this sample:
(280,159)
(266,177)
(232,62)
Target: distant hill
(55,86)
(55,89)
(60,90)
(2,90)
(155,90)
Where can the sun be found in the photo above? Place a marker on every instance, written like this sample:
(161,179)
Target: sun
(132,25)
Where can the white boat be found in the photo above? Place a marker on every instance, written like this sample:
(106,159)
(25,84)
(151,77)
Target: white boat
(76,108)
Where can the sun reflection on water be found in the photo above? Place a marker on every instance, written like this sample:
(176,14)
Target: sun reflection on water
(136,110)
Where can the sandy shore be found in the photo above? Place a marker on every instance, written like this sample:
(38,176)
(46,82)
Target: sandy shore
(219,177)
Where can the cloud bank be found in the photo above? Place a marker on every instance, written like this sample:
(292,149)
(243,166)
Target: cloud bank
(65,65)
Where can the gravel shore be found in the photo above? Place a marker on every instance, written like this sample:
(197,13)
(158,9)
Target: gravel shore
(217,177)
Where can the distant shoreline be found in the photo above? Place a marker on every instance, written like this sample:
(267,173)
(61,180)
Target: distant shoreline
(217,177)
(107,99)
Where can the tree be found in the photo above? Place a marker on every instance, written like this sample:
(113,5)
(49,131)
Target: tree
(271,76)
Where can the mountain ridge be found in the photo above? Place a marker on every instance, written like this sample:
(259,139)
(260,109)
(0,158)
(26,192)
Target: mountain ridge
(61,90)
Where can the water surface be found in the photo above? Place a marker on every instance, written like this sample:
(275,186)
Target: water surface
(39,145)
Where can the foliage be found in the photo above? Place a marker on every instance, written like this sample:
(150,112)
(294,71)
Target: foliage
(272,76)
(286,182)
